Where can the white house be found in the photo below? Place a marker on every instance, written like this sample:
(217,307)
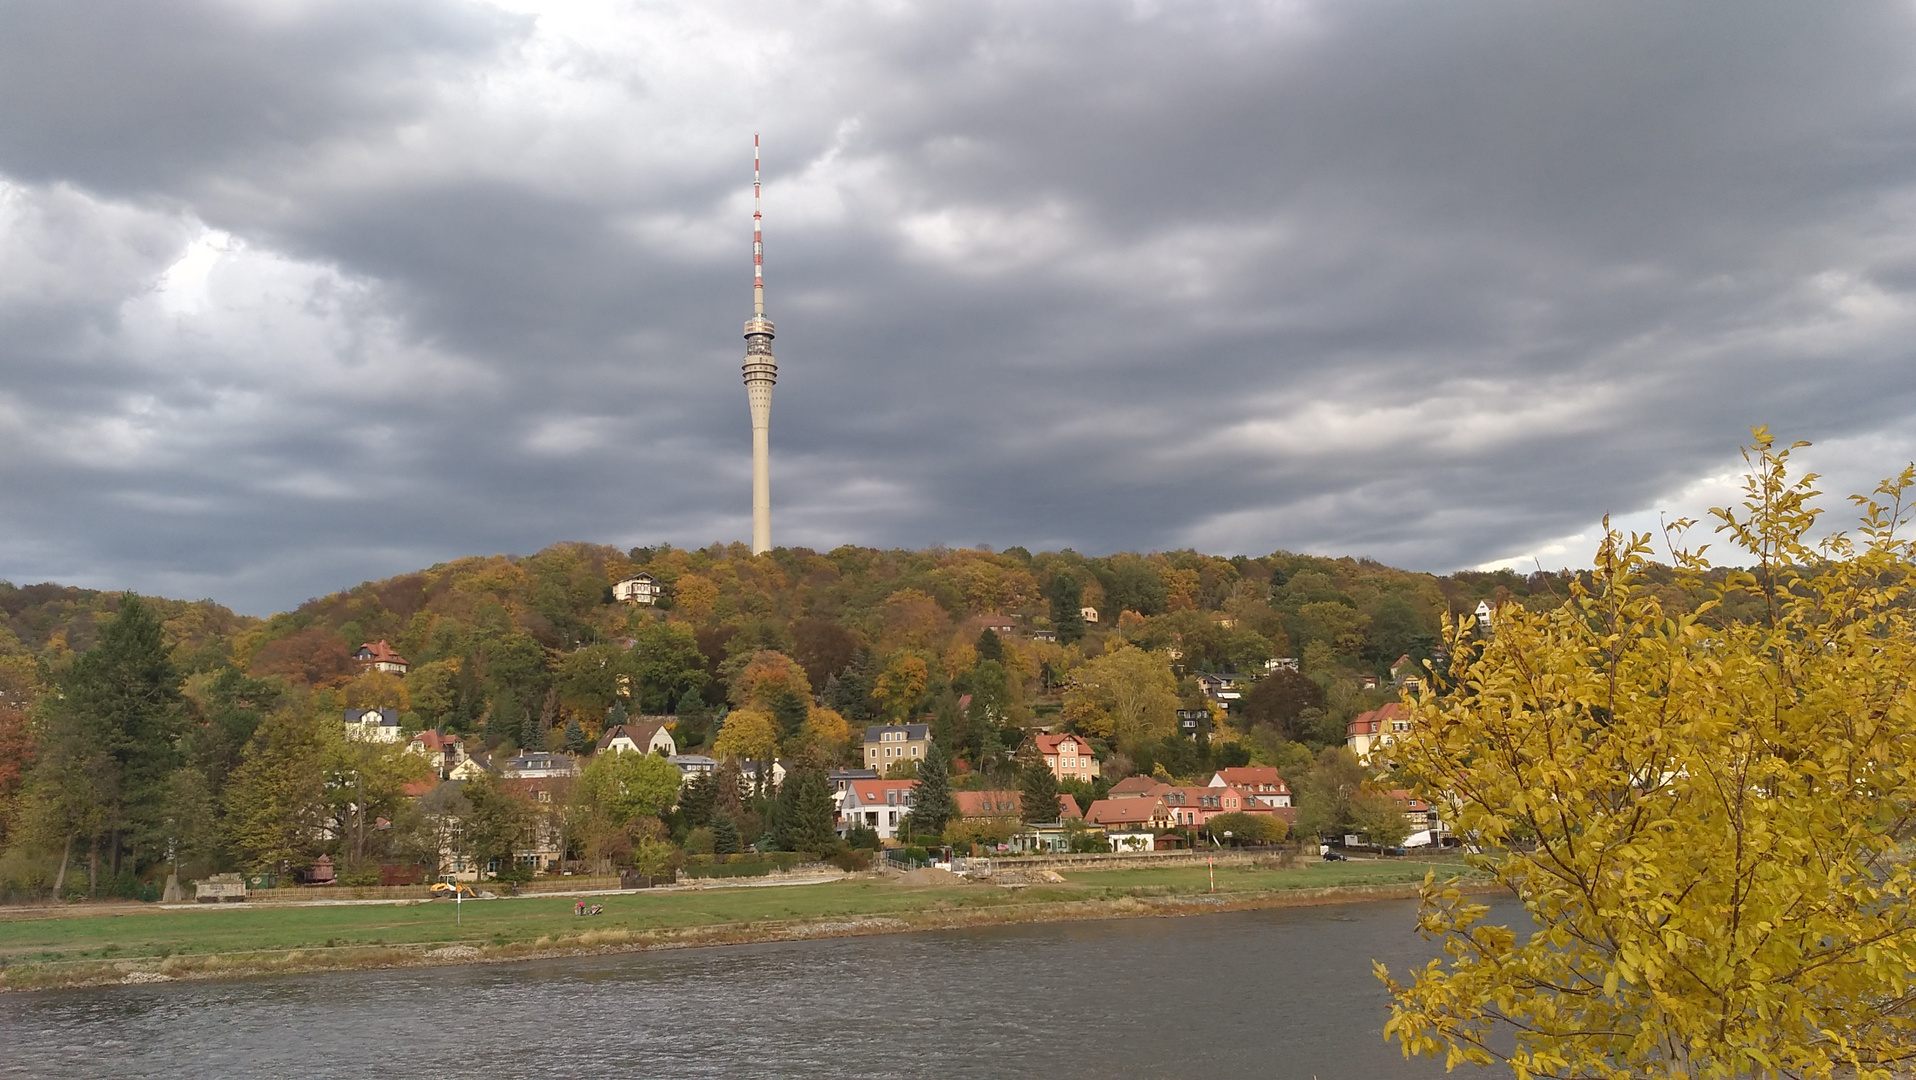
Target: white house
(638,589)
(372,725)
(1378,728)
(1088,614)
(1260,783)
(380,657)
(878,805)
(646,735)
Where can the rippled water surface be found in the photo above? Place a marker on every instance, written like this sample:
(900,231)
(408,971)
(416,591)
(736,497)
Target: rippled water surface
(1284,993)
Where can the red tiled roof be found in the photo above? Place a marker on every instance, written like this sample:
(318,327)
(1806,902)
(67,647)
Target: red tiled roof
(1372,722)
(1068,807)
(1048,744)
(431,739)
(378,652)
(986,803)
(873,791)
(416,788)
(1133,786)
(1110,812)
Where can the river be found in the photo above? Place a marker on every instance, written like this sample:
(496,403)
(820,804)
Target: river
(1280,993)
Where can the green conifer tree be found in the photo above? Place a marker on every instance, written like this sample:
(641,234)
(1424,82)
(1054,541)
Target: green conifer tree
(990,646)
(575,741)
(1038,791)
(1067,604)
(725,835)
(811,811)
(932,805)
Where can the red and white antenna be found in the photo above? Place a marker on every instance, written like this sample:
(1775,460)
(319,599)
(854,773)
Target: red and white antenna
(758,239)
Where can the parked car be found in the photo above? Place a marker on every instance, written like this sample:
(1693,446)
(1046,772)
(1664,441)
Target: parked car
(1336,856)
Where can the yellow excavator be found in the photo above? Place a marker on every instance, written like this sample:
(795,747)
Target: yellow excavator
(449,890)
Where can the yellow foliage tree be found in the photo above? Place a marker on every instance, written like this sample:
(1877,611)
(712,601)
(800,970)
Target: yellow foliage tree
(1704,815)
(748,734)
(377,690)
(1127,694)
(694,596)
(826,727)
(901,684)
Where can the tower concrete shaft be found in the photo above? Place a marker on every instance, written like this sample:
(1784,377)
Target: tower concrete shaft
(761,373)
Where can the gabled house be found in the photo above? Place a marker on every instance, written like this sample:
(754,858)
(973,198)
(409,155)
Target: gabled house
(878,805)
(640,588)
(445,752)
(1049,637)
(1067,756)
(372,725)
(888,744)
(645,735)
(1088,613)
(1131,815)
(380,657)
(1192,807)
(1369,732)
(1260,782)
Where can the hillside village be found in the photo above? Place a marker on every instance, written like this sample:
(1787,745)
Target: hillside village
(588,708)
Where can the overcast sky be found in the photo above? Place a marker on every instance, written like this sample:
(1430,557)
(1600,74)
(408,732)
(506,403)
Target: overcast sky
(294,295)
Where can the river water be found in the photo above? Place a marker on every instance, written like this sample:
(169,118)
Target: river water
(1281,993)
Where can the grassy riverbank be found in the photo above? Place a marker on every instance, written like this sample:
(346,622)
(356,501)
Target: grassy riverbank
(91,946)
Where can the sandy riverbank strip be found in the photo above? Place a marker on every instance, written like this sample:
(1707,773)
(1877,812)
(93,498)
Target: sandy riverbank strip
(589,942)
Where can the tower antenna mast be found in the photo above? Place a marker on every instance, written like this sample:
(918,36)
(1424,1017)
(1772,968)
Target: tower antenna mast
(761,373)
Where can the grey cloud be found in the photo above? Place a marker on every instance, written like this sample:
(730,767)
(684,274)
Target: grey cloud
(1427,283)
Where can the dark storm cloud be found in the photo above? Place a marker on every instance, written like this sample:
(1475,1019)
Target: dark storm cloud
(1439,284)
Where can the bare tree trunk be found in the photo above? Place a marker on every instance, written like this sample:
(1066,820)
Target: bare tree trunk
(60,879)
(93,870)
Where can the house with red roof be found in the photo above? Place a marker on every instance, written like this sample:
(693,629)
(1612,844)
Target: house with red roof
(1068,756)
(878,805)
(1132,787)
(380,657)
(1368,732)
(1008,804)
(1260,782)
(445,752)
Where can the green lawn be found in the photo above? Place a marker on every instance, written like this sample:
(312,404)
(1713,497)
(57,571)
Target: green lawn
(234,929)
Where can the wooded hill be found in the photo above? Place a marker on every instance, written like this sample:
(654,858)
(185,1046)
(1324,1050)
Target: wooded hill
(790,653)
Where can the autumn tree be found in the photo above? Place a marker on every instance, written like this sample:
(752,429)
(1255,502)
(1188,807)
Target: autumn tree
(898,688)
(276,806)
(1705,817)
(748,735)
(1338,796)
(1128,695)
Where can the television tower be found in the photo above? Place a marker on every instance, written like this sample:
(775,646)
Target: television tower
(761,372)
